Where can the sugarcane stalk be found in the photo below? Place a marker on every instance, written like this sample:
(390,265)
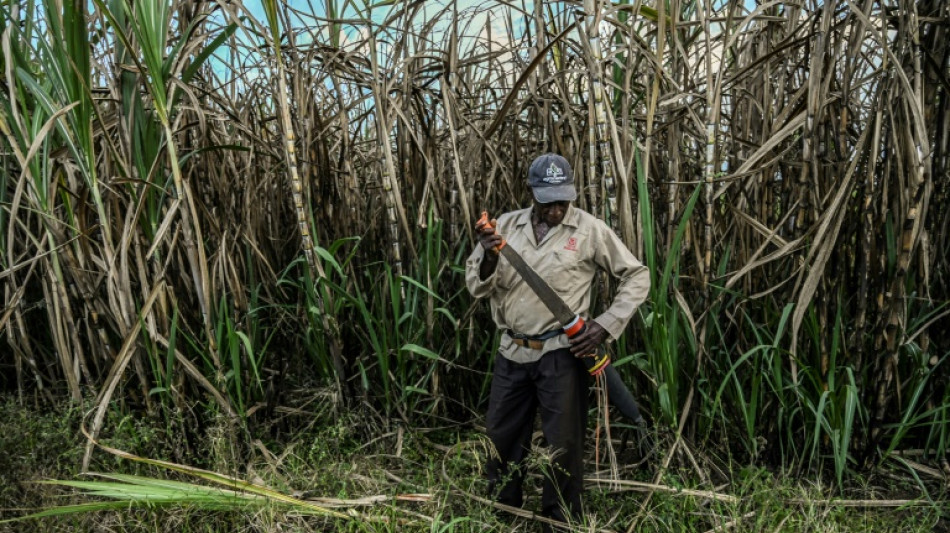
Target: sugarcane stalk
(912,228)
(395,213)
(350,197)
(593,177)
(303,222)
(709,173)
(652,98)
(194,245)
(713,95)
(602,134)
(672,187)
(54,310)
(868,227)
(458,196)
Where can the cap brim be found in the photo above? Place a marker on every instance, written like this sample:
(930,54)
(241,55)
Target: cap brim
(558,193)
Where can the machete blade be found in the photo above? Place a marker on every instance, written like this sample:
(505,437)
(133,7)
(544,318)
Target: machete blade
(549,298)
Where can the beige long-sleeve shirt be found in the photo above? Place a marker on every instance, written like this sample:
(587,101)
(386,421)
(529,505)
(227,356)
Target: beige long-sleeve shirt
(568,259)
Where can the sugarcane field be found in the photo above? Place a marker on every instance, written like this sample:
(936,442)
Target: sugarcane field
(458,266)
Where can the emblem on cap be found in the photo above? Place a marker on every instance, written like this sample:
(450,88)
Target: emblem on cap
(555,174)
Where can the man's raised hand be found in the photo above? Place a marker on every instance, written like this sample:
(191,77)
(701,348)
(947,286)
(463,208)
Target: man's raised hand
(486,234)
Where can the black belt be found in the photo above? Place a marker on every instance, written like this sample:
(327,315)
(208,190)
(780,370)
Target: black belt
(535,342)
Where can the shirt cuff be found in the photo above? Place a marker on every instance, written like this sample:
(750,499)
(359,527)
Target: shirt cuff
(481,288)
(613,326)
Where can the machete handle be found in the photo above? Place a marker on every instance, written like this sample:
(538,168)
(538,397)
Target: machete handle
(576,327)
(595,364)
(485,221)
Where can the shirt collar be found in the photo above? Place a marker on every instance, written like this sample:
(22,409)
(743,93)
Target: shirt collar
(572,218)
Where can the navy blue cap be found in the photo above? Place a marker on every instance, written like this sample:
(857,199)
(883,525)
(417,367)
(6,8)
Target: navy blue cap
(551,179)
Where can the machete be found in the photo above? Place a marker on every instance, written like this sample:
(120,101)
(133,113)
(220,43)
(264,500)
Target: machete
(573,326)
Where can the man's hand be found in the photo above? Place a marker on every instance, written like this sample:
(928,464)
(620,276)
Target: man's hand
(586,343)
(487,237)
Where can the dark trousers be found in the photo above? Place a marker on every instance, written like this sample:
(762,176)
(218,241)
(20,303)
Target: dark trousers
(557,384)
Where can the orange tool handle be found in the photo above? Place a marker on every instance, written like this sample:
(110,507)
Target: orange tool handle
(487,223)
(576,327)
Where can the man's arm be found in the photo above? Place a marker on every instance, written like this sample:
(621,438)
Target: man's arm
(489,239)
(634,287)
(484,260)
(488,265)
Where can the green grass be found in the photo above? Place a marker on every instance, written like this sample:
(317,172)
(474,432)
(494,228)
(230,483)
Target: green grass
(401,471)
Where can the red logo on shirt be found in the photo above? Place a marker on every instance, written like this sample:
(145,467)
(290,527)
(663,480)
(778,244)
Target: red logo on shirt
(571,244)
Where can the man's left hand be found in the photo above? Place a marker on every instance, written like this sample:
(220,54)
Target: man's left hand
(587,342)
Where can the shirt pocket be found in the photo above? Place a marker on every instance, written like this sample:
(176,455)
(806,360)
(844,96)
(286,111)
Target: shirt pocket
(564,275)
(505,275)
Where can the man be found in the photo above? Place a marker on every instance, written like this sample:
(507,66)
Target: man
(538,366)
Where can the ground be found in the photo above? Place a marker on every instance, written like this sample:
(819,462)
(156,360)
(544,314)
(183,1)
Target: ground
(425,480)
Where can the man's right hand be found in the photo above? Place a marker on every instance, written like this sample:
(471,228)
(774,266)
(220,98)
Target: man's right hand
(486,234)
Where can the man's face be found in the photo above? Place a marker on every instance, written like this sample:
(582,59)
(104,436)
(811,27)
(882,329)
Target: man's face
(551,214)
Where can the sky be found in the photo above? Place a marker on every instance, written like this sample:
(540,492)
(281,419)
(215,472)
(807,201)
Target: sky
(310,16)
(477,12)
(309,20)
(318,7)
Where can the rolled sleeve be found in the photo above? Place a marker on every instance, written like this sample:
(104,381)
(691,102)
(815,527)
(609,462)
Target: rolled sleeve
(479,288)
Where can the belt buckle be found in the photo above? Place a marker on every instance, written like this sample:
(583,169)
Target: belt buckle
(529,343)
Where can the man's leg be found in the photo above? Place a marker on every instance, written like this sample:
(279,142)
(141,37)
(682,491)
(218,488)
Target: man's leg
(562,384)
(510,420)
